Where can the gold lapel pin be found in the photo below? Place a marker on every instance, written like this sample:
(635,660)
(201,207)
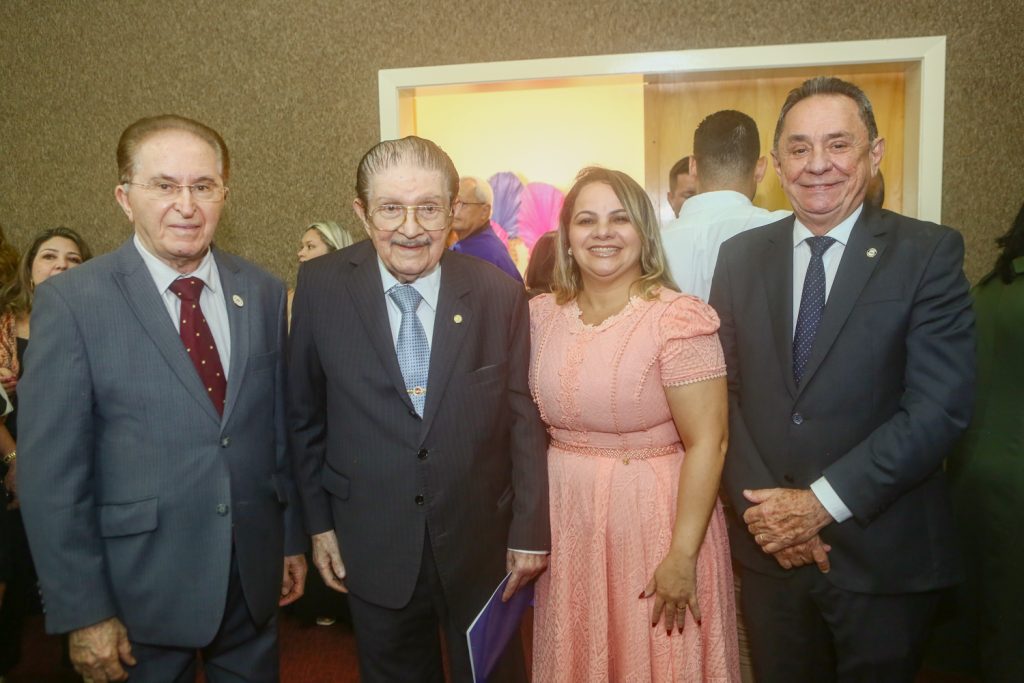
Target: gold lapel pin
(871,253)
(237,300)
(457,318)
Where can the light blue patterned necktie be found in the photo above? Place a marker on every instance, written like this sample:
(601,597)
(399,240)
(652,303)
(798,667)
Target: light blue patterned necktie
(412,348)
(812,303)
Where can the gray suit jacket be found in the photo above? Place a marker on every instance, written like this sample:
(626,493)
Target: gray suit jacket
(472,472)
(888,387)
(133,488)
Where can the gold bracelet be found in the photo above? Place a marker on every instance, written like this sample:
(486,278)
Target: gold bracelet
(10,457)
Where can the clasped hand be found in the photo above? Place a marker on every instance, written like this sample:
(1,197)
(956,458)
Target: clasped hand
(785,523)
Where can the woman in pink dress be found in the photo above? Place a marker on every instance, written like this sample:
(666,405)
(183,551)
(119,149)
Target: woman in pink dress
(629,376)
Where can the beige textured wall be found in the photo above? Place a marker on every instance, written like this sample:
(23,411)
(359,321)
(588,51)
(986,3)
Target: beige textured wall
(293,88)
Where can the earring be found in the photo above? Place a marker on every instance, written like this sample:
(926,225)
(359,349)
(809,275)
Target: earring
(569,251)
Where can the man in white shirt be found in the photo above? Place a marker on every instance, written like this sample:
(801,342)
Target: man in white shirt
(728,166)
(849,341)
(681,184)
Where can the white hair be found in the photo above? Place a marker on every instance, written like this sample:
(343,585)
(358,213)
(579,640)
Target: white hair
(482,191)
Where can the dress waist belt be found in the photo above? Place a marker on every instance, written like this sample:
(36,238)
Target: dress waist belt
(624,454)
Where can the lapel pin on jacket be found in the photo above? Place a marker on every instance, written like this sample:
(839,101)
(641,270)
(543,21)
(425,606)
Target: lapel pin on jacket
(457,318)
(237,300)
(871,253)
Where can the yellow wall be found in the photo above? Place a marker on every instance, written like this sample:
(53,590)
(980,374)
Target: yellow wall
(544,134)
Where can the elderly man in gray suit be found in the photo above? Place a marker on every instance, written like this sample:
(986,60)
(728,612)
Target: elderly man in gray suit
(154,478)
(420,456)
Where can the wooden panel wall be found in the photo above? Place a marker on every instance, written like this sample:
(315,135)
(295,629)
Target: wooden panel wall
(675,106)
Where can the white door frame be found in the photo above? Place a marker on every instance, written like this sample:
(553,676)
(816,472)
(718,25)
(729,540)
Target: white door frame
(923,59)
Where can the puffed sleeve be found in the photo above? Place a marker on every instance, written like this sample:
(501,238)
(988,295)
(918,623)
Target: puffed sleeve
(690,350)
(541,308)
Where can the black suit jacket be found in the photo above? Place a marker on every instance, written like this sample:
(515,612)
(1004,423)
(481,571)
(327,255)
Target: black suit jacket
(473,471)
(888,387)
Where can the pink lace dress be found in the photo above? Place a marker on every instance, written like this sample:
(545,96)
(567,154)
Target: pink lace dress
(614,464)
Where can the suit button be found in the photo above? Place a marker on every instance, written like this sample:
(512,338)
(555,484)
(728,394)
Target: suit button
(225,442)
(798,418)
(222,509)
(422,455)
(788,478)
(419,499)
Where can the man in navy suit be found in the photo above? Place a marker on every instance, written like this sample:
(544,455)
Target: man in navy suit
(849,340)
(154,477)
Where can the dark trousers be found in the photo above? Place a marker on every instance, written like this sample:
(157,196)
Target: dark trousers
(21,597)
(241,652)
(803,628)
(404,645)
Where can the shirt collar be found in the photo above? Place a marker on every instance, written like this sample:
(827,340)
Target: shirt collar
(163,275)
(840,233)
(429,286)
(715,199)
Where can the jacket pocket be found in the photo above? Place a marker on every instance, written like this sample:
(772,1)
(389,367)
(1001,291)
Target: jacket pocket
(336,484)
(126,519)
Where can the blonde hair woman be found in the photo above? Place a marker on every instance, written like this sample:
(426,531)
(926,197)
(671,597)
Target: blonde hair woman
(629,376)
(319,239)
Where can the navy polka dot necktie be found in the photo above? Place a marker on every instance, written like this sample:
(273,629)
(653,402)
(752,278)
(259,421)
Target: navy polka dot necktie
(812,303)
(198,340)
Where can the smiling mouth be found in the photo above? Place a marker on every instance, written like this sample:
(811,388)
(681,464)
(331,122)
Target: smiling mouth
(413,245)
(821,187)
(604,251)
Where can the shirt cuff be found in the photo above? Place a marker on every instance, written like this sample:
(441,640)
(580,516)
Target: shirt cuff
(531,552)
(830,500)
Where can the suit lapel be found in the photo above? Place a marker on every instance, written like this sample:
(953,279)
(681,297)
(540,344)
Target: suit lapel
(234,283)
(778,286)
(367,293)
(868,236)
(141,294)
(447,337)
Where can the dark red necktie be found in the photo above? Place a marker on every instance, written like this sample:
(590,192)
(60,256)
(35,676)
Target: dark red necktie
(198,340)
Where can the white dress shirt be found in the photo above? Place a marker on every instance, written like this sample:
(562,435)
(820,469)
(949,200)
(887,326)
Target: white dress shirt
(706,220)
(824,492)
(215,308)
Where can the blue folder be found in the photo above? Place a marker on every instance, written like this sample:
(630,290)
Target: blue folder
(495,625)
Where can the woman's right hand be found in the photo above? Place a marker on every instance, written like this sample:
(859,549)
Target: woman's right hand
(674,586)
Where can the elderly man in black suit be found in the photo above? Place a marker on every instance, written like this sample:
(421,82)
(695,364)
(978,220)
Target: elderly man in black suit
(420,455)
(849,341)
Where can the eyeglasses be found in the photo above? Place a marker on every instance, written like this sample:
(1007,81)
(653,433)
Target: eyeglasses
(390,217)
(201,192)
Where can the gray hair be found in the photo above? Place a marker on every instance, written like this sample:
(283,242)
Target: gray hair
(482,190)
(829,85)
(389,153)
